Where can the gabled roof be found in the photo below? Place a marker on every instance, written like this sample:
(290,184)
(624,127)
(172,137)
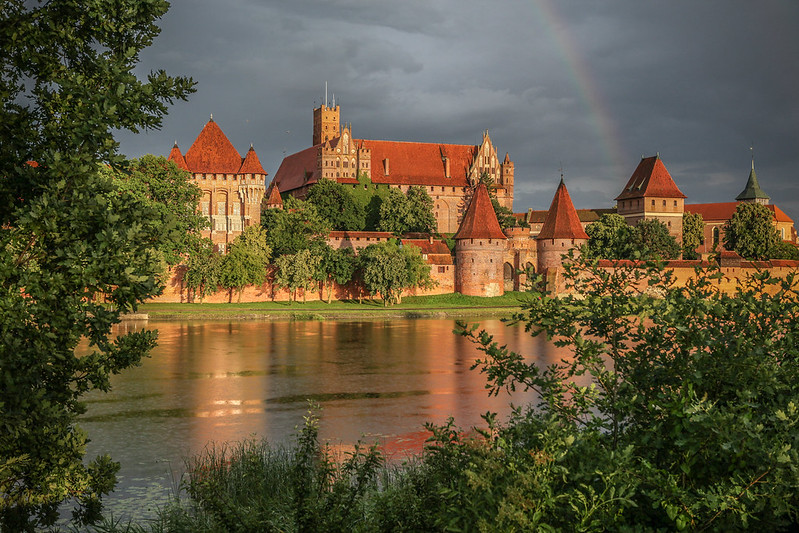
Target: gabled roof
(274,196)
(752,191)
(251,164)
(177,157)
(412,163)
(480,220)
(723,211)
(298,169)
(409,163)
(650,179)
(212,152)
(562,221)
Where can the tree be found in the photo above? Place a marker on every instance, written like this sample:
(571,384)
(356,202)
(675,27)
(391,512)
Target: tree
(610,237)
(420,205)
(203,268)
(245,262)
(335,265)
(751,232)
(655,242)
(685,417)
(295,227)
(693,234)
(297,271)
(337,204)
(69,238)
(387,269)
(170,191)
(504,215)
(404,213)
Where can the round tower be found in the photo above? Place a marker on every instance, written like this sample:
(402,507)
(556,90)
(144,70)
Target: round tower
(479,249)
(561,231)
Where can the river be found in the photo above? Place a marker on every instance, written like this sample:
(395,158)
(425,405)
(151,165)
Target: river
(215,381)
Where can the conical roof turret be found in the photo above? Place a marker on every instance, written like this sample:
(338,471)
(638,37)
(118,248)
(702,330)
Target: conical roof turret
(177,157)
(480,220)
(212,152)
(752,192)
(274,199)
(251,163)
(562,221)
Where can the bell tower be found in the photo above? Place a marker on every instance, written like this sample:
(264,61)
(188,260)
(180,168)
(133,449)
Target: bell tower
(326,123)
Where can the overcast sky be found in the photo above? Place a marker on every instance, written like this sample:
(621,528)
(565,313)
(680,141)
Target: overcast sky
(590,86)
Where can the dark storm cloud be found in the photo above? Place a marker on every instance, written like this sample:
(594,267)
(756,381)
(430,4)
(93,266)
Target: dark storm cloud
(589,86)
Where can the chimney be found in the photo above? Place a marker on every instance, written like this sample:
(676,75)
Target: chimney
(446,167)
(385,167)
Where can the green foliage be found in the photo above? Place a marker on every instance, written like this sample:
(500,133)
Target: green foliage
(168,190)
(335,266)
(337,205)
(298,226)
(371,197)
(69,238)
(785,250)
(245,262)
(298,271)
(693,234)
(387,269)
(504,215)
(407,213)
(655,242)
(203,269)
(611,237)
(676,412)
(751,232)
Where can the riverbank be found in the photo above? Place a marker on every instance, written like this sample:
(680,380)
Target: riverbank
(434,306)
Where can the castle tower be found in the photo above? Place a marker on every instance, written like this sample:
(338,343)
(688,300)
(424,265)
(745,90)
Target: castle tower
(326,123)
(273,198)
(561,231)
(651,194)
(752,193)
(232,187)
(479,249)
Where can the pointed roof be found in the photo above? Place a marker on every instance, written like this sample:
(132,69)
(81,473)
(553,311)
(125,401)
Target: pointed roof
(177,157)
(273,198)
(480,220)
(212,152)
(752,191)
(251,164)
(562,221)
(651,179)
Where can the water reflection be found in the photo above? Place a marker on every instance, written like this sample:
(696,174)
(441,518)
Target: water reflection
(220,381)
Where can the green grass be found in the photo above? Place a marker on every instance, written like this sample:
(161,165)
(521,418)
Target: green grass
(448,304)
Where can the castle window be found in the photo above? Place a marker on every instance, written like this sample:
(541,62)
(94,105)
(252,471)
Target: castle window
(221,247)
(220,208)
(236,208)
(653,203)
(664,203)
(669,223)
(442,269)
(675,203)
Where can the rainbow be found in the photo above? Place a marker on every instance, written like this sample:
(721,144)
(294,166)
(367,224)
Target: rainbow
(598,111)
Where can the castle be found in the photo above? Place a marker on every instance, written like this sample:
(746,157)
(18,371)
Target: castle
(232,186)
(448,172)
(487,260)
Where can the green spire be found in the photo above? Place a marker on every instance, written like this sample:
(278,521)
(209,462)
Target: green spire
(752,192)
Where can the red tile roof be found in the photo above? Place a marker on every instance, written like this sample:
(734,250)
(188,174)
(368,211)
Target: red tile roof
(412,163)
(562,221)
(298,169)
(651,179)
(480,220)
(251,164)
(723,211)
(177,157)
(274,196)
(409,163)
(212,152)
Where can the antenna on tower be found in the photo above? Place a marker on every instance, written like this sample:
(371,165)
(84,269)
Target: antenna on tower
(325,94)
(561,171)
(752,149)
(334,99)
